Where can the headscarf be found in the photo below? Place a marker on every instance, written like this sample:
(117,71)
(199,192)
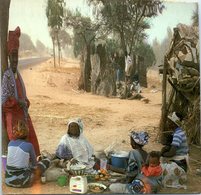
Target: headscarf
(13,40)
(77,121)
(20,130)
(175,119)
(140,138)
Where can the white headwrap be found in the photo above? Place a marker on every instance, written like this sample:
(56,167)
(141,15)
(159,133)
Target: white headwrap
(80,147)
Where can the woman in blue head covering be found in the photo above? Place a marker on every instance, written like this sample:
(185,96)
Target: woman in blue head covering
(136,157)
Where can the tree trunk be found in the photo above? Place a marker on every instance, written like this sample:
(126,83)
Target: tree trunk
(4,18)
(53,44)
(59,49)
(123,44)
(87,70)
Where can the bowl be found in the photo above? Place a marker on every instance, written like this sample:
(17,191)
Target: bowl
(77,169)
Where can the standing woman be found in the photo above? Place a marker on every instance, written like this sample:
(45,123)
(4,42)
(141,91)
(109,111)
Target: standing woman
(15,103)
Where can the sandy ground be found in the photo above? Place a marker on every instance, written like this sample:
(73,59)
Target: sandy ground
(54,98)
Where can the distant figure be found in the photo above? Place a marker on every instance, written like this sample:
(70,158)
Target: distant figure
(128,65)
(15,103)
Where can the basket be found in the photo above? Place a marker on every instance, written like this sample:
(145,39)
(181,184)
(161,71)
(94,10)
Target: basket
(77,169)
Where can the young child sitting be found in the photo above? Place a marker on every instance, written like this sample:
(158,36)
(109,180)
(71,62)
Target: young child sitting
(22,166)
(153,167)
(151,175)
(148,181)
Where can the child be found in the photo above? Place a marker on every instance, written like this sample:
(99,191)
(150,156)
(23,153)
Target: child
(148,181)
(153,167)
(21,160)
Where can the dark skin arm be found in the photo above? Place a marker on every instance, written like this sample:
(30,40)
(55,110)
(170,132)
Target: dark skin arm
(171,152)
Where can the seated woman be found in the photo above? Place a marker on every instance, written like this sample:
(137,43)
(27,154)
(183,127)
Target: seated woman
(178,150)
(136,159)
(73,145)
(22,167)
(175,155)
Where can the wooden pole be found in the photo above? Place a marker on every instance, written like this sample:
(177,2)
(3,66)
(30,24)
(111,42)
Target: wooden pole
(4,18)
(164,92)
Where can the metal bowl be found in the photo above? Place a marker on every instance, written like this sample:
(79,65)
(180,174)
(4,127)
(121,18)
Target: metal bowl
(77,169)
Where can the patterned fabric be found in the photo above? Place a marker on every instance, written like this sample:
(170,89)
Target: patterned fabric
(136,187)
(9,88)
(13,39)
(18,177)
(180,141)
(140,138)
(173,175)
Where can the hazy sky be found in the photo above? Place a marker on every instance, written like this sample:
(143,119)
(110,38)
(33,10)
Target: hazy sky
(30,16)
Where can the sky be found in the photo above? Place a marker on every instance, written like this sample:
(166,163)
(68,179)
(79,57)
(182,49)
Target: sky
(30,16)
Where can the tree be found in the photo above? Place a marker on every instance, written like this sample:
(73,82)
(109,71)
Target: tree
(55,14)
(126,18)
(64,39)
(145,50)
(195,17)
(85,33)
(4,18)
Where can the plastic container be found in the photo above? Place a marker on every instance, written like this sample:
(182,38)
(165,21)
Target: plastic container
(78,184)
(62,180)
(119,159)
(103,163)
(4,162)
(43,179)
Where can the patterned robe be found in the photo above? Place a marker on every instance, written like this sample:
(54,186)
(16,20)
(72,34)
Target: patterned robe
(13,90)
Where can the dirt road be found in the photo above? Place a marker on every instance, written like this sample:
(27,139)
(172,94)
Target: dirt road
(54,98)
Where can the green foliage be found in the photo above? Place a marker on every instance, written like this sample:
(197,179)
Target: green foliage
(112,46)
(195,17)
(145,50)
(83,29)
(127,17)
(55,13)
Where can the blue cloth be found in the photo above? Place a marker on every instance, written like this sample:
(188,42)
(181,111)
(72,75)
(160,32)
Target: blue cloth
(180,141)
(135,161)
(18,151)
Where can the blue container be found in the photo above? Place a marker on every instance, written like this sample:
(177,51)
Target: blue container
(119,160)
